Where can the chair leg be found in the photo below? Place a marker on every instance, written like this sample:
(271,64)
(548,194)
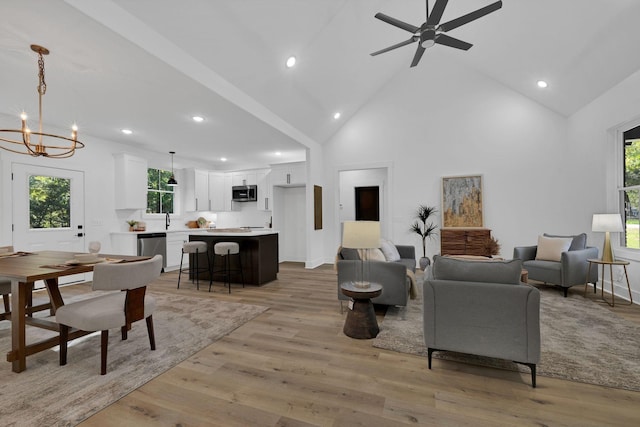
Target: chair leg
(180,271)
(7,306)
(197,270)
(152,337)
(213,269)
(104,342)
(531,366)
(566,290)
(124,330)
(228,272)
(64,337)
(429,354)
(240,267)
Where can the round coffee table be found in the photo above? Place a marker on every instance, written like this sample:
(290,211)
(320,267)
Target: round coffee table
(361,320)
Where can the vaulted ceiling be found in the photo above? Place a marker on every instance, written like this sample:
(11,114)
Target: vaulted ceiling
(150,65)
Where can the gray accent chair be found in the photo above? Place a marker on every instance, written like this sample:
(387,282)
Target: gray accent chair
(571,270)
(392,275)
(481,308)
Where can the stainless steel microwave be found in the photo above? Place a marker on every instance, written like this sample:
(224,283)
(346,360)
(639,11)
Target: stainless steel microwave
(244,193)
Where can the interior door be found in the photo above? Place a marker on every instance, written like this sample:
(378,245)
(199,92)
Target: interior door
(48,210)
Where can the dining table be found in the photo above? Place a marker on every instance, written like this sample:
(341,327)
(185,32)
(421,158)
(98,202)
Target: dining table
(24,269)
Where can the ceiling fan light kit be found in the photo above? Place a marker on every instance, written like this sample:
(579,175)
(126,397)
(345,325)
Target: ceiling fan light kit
(431,32)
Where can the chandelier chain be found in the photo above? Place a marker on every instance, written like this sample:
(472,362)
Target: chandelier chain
(42,85)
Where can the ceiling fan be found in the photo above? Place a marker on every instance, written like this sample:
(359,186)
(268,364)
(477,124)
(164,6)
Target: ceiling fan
(432,32)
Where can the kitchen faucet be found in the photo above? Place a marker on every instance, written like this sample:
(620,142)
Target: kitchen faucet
(167,221)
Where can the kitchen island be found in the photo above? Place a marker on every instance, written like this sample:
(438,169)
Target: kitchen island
(258,253)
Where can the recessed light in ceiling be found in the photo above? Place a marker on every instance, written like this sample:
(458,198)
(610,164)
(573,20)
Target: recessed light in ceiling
(197,119)
(277,153)
(542,84)
(223,159)
(127,131)
(336,116)
(291,61)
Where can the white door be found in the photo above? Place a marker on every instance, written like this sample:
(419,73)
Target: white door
(48,210)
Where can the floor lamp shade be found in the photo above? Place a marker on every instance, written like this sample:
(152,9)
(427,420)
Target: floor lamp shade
(607,223)
(361,234)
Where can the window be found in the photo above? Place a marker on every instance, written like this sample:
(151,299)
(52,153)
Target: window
(160,195)
(630,191)
(49,202)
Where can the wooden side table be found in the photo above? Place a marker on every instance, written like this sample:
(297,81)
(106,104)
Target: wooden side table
(610,264)
(361,320)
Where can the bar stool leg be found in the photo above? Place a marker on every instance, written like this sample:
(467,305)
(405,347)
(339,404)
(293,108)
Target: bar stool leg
(228,272)
(180,271)
(240,267)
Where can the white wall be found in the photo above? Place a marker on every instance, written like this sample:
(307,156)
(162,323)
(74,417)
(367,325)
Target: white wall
(592,137)
(444,120)
(349,180)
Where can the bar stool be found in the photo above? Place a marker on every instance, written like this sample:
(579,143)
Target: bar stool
(225,250)
(195,248)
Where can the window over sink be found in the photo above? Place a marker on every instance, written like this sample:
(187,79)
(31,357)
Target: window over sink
(160,195)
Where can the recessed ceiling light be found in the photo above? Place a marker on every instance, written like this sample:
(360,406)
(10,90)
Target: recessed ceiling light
(198,119)
(542,84)
(277,153)
(291,61)
(223,159)
(336,116)
(127,131)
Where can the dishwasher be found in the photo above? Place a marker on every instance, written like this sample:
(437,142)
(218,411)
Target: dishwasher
(152,244)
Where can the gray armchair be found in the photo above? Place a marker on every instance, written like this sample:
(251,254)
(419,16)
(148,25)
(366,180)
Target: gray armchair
(481,308)
(392,275)
(571,270)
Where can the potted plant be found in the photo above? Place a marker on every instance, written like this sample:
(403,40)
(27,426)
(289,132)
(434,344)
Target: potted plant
(492,246)
(132,223)
(424,230)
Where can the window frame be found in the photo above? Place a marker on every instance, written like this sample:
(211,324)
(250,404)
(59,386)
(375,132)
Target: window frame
(617,137)
(172,192)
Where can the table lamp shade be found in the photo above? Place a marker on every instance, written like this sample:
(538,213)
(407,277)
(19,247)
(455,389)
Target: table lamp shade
(361,234)
(607,223)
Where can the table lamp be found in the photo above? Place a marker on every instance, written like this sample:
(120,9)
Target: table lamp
(361,235)
(607,223)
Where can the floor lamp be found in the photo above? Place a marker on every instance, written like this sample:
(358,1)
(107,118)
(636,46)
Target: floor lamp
(607,223)
(361,235)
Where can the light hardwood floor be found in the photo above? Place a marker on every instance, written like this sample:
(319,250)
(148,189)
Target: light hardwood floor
(293,366)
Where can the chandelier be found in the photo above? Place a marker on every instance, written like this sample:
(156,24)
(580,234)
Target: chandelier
(45,144)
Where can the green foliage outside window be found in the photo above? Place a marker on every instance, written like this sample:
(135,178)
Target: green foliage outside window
(49,202)
(631,193)
(160,195)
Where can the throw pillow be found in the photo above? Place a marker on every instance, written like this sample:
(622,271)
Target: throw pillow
(579,241)
(389,250)
(349,254)
(551,248)
(374,254)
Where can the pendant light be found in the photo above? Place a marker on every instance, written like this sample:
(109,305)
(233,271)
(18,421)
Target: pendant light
(172,179)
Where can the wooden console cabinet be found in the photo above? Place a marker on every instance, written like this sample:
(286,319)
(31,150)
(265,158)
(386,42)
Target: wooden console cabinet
(464,241)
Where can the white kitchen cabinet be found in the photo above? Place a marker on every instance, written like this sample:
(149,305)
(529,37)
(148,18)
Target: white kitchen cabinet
(265,190)
(289,174)
(175,241)
(228,195)
(196,190)
(244,178)
(124,243)
(130,182)
(216,191)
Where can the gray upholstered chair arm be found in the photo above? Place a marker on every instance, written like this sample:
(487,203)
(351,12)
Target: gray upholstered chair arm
(486,319)
(406,251)
(575,266)
(392,276)
(525,253)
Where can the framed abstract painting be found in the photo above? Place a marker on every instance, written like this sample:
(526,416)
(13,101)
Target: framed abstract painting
(462,201)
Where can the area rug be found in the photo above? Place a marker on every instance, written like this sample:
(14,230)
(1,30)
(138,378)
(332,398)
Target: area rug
(47,394)
(580,341)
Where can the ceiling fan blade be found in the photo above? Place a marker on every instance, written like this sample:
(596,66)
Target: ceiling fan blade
(395,46)
(436,13)
(417,56)
(447,26)
(396,22)
(452,42)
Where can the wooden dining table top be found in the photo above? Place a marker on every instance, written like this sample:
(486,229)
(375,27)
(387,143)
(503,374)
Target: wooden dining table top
(42,265)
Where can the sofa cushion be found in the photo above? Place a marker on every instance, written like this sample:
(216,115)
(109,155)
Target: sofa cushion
(349,254)
(373,254)
(551,248)
(446,268)
(389,250)
(578,241)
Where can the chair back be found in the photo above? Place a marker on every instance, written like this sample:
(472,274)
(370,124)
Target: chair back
(128,275)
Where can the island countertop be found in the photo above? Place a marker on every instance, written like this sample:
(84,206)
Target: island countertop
(205,231)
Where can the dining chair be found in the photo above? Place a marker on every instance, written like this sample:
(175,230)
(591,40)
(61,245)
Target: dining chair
(115,309)
(5,288)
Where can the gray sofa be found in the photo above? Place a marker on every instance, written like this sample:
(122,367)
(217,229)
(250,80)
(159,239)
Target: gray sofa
(481,308)
(392,275)
(571,270)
